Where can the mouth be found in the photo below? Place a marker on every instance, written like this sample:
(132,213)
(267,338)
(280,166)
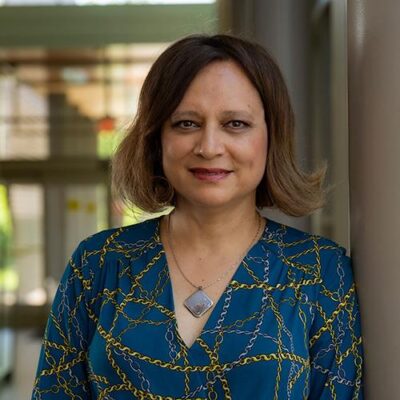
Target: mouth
(210,174)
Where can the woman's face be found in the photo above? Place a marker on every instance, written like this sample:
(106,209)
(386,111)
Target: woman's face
(214,145)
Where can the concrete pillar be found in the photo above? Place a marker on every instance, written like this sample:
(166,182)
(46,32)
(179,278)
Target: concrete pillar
(374,104)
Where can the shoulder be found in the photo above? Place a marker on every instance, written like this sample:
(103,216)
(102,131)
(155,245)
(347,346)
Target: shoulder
(293,241)
(125,237)
(316,255)
(101,258)
(115,247)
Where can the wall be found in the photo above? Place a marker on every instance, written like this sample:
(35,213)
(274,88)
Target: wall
(374,110)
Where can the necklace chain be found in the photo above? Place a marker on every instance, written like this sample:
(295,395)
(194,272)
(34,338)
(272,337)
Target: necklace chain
(201,287)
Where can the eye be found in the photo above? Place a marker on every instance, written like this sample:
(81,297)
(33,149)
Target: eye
(237,124)
(185,124)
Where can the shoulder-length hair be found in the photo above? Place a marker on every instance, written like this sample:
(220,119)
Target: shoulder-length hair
(137,171)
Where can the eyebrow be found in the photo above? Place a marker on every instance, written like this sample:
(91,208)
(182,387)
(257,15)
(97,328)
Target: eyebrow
(225,114)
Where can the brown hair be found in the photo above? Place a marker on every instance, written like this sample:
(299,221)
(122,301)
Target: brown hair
(137,165)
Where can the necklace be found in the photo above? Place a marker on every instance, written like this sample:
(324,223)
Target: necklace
(198,303)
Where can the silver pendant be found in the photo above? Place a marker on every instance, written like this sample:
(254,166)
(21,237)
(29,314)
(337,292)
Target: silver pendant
(198,303)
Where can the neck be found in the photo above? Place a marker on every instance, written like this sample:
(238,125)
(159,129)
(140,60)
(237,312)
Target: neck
(213,229)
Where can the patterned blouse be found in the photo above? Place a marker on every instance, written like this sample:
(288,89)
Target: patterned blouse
(286,327)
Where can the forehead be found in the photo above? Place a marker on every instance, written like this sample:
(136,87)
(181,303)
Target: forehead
(221,82)
(225,71)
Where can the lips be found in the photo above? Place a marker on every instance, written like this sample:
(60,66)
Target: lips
(210,174)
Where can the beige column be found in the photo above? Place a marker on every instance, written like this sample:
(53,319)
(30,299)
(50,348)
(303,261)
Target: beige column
(374,129)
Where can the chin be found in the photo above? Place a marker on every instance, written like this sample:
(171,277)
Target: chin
(213,197)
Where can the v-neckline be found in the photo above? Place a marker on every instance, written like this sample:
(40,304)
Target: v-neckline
(217,305)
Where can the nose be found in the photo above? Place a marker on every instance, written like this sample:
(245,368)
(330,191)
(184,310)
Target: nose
(210,143)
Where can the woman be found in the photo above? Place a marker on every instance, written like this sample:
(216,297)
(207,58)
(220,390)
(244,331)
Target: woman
(212,301)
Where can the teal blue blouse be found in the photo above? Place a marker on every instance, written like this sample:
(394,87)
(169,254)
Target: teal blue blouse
(286,327)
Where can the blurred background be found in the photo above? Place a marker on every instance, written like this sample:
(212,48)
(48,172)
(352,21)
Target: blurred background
(70,75)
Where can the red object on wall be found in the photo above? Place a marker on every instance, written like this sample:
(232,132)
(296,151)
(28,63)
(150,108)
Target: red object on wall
(106,124)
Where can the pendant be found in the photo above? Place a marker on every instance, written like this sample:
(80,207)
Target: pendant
(198,303)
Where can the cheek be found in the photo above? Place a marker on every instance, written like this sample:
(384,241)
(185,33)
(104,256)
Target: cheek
(173,149)
(169,147)
(262,144)
(257,155)
(166,152)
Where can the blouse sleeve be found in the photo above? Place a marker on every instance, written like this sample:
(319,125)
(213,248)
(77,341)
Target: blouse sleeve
(62,369)
(335,336)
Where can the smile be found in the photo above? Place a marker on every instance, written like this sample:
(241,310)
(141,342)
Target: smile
(210,174)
